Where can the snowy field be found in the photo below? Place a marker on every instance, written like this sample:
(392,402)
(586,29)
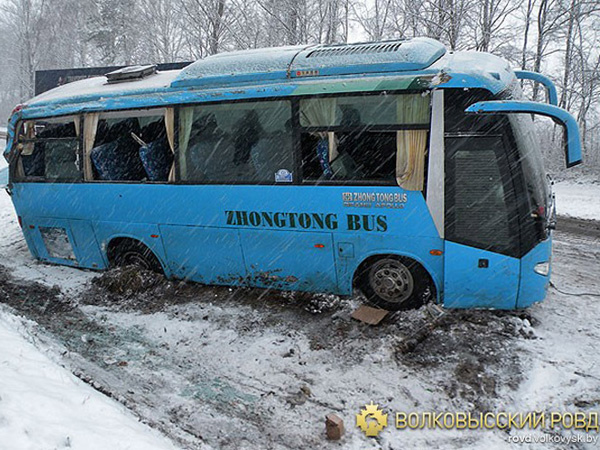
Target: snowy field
(578,199)
(214,367)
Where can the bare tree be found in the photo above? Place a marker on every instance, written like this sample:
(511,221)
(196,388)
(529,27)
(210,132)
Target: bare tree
(374,19)
(163,30)
(492,15)
(25,22)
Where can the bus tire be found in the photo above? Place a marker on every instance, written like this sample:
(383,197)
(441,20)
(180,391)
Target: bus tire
(395,283)
(129,252)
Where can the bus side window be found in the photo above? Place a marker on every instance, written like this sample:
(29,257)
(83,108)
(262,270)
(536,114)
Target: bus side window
(129,146)
(49,150)
(248,142)
(379,138)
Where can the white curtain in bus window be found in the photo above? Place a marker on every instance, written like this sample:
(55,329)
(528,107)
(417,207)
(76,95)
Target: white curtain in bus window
(410,160)
(412,144)
(89,136)
(186,119)
(236,143)
(49,150)
(319,111)
(170,126)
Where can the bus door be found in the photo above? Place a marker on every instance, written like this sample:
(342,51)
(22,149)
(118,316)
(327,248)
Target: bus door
(481,266)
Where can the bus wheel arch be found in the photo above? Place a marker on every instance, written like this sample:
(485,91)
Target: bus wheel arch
(125,251)
(394,282)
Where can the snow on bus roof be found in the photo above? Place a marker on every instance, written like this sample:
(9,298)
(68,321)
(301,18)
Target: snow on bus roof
(296,66)
(99,86)
(283,63)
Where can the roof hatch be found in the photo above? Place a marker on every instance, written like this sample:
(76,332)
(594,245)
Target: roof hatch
(130,73)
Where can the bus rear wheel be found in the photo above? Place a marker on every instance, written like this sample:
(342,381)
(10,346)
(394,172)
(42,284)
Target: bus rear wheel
(395,283)
(132,253)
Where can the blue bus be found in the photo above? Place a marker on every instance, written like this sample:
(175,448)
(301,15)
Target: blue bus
(399,168)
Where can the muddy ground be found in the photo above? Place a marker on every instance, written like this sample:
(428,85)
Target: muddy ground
(116,336)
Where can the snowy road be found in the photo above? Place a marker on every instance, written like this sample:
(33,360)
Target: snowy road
(254,368)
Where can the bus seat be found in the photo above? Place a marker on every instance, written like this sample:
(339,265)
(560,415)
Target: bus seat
(123,128)
(204,152)
(153,131)
(205,139)
(101,133)
(323,157)
(118,160)
(34,165)
(248,132)
(157,159)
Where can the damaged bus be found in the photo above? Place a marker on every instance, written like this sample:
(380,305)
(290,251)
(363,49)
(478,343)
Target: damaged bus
(398,167)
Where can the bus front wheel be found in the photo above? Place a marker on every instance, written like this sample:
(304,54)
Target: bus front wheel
(395,283)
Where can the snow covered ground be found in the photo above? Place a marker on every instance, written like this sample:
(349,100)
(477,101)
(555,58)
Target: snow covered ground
(578,199)
(43,406)
(258,369)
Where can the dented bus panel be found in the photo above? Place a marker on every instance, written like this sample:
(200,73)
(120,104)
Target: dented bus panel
(313,168)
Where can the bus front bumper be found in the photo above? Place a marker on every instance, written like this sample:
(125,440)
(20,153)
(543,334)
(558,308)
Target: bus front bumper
(536,268)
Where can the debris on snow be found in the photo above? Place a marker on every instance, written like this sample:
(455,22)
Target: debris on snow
(369,315)
(334,427)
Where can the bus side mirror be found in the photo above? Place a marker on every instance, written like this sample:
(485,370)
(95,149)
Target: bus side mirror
(559,115)
(544,80)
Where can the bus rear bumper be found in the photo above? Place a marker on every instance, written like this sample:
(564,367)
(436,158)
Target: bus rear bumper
(536,269)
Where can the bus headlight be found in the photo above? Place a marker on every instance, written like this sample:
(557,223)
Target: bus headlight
(542,268)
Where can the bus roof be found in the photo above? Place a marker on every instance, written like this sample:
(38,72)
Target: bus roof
(281,71)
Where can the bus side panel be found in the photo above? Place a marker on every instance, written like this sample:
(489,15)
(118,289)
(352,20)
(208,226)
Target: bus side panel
(62,241)
(301,261)
(208,255)
(475,278)
(28,233)
(533,285)
(85,244)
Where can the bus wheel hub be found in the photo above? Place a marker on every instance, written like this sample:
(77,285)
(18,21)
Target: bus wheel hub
(392,280)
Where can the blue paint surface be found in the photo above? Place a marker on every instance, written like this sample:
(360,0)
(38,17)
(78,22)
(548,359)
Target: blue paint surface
(3,178)
(290,239)
(466,285)
(547,82)
(533,286)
